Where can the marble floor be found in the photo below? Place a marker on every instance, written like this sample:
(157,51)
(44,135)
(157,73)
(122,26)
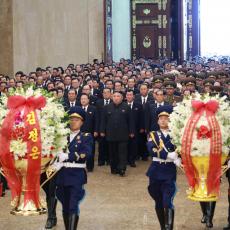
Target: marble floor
(116,203)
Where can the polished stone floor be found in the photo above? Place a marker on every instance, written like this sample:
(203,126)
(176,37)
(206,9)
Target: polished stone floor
(115,203)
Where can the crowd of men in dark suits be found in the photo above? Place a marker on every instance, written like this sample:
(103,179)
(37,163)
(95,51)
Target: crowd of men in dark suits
(120,99)
(143,84)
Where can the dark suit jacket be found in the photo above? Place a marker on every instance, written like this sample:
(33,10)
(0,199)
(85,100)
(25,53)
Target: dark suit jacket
(92,100)
(67,104)
(135,91)
(89,125)
(139,101)
(97,93)
(99,109)
(151,116)
(117,122)
(138,117)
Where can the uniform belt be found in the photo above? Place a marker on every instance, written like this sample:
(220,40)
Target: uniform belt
(162,160)
(74,165)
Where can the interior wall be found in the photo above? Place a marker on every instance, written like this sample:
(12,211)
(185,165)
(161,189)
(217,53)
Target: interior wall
(6,37)
(56,32)
(121,30)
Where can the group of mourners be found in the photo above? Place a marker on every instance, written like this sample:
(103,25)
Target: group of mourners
(122,111)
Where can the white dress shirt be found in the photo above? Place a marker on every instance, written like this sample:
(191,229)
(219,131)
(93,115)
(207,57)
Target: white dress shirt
(72,103)
(106,100)
(144,98)
(73,134)
(85,108)
(159,104)
(130,104)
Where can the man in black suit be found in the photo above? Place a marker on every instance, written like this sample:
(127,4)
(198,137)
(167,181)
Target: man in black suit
(103,155)
(71,100)
(117,126)
(89,125)
(142,99)
(67,83)
(131,85)
(151,119)
(96,91)
(75,84)
(138,116)
(86,89)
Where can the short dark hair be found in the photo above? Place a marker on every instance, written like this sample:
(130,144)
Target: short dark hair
(84,94)
(107,89)
(72,89)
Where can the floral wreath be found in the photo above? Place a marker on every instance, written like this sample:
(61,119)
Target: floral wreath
(52,122)
(200,139)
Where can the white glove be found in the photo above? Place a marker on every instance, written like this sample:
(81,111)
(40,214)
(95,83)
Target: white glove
(172,156)
(62,157)
(57,165)
(177,162)
(228,164)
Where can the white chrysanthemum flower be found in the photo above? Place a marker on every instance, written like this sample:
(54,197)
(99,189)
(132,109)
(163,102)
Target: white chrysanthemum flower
(18,147)
(183,111)
(52,128)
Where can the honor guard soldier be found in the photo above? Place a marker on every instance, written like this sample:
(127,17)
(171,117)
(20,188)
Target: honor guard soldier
(162,171)
(51,200)
(72,175)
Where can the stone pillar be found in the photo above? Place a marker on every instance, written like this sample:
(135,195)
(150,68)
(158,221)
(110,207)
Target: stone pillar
(6,37)
(49,33)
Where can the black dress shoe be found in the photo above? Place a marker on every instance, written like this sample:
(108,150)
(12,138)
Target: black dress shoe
(203,219)
(203,206)
(89,170)
(133,165)
(50,223)
(101,163)
(161,218)
(52,219)
(210,213)
(209,224)
(122,173)
(169,218)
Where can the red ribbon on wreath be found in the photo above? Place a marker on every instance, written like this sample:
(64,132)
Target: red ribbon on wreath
(214,172)
(32,136)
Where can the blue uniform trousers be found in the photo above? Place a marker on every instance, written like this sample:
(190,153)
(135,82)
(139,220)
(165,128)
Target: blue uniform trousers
(70,196)
(163,192)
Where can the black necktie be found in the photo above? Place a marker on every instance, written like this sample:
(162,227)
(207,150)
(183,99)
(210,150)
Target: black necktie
(144,101)
(106,102)
(72,104)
